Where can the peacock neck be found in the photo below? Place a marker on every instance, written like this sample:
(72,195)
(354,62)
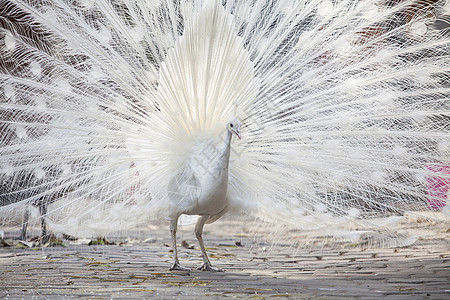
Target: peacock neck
(225,153)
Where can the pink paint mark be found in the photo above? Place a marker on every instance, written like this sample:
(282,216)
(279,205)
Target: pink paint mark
(438,186)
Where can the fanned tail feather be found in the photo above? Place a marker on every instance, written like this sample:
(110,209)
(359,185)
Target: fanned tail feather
(344,107)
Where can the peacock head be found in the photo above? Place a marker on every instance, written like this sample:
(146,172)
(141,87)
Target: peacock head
(234,126)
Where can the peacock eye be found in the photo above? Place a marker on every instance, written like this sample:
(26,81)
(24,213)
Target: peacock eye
(231,125)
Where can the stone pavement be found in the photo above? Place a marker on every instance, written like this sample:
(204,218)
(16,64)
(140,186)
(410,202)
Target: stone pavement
(136,267)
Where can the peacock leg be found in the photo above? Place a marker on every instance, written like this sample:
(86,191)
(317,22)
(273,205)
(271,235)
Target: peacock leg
(198,233)
(43,213)
(173,232)
(23,232)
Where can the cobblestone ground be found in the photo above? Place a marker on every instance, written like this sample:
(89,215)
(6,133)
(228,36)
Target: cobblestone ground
(137,267)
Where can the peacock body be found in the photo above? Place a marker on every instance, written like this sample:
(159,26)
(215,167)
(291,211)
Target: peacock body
(115,113)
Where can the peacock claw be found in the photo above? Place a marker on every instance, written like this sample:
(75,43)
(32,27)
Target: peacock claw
(207,267)
(178,267)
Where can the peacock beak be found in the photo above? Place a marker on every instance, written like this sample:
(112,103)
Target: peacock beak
(237,132)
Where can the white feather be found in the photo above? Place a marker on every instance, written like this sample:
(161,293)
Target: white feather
(343,106)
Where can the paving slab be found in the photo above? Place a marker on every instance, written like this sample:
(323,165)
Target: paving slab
(137,267)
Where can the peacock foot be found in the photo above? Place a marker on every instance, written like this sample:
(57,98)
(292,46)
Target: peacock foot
(178,267)
(208,267)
